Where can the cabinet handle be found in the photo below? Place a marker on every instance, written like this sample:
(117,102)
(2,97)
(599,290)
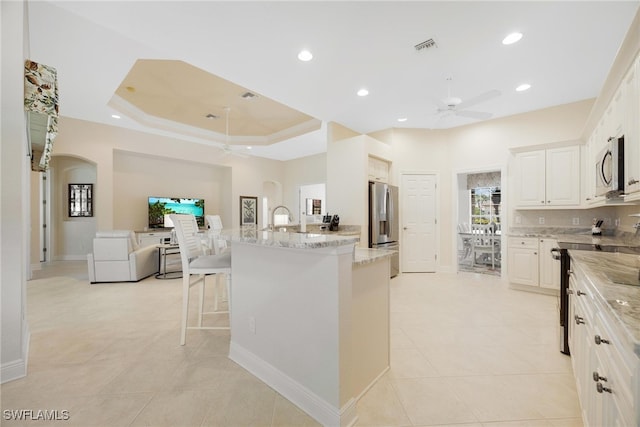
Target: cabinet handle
(600,388)
(599,340)
(535,253)
(549,202)
(542,201)
(579,293)
(579,320)
(632,181)
(597,377)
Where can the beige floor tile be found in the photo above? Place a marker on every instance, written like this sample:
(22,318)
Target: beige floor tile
(409,363)
(380,406)
(466,350)
(248,402)
(429,401)
(186,408)
(286,414)
(497,398)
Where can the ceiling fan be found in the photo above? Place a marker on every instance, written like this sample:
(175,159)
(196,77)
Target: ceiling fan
(226,148)
(452,105)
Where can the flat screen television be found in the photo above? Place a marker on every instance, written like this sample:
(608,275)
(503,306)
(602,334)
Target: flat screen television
(161,207)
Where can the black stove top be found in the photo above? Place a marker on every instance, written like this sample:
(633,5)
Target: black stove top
(600,248)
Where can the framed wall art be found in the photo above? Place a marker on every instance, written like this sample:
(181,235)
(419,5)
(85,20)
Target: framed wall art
(248,210)
(80,200)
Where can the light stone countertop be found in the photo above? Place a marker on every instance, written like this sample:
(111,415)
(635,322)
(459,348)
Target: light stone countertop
(287,240)
(622,300)
(368,255)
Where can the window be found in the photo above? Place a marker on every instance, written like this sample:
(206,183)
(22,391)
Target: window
(80,200)
(485,205)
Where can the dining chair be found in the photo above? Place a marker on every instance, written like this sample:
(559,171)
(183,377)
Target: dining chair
(484,242)
(195,263)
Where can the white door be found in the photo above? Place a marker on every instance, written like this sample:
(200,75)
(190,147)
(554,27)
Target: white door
(418,224)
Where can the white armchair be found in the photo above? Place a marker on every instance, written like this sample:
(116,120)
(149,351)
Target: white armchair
(116,257)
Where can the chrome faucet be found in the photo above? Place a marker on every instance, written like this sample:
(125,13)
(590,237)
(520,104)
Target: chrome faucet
(273,215)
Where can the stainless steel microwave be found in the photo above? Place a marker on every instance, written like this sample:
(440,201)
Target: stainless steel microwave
(610,169)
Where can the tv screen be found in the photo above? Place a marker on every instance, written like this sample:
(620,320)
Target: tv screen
(161,207)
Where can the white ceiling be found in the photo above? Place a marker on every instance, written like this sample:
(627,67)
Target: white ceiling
(565,54)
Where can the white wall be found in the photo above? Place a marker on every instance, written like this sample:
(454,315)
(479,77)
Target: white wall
(71,238)
(15,171)
(481,146)
(304,171)
(132,165)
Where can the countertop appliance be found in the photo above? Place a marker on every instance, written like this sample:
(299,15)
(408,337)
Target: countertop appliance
(610,169)
(384,230)
(561,253)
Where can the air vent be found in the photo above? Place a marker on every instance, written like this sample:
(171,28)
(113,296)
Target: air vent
(248,95)
(426,44)
(212,116)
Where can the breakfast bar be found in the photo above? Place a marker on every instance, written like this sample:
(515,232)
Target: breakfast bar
(305,310)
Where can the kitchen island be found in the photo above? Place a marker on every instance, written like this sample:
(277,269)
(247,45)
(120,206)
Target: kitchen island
(310,317)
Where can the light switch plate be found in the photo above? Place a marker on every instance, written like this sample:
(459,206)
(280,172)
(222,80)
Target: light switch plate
(541,220)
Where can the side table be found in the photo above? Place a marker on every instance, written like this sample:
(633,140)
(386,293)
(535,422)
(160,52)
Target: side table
(165,249)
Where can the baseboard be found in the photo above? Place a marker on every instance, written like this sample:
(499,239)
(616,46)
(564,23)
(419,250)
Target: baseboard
(316,407)
(17,368)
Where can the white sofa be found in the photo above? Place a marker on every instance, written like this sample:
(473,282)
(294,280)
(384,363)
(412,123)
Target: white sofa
(116,257)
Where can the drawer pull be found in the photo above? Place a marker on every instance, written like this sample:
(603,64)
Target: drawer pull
(600,388)
(599,340)
(579,293)
(597,377)
(579,320)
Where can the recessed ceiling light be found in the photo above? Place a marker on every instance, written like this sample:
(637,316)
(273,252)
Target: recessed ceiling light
(402,119)
(523,87)
(249,147)
(115,116)
(363,92)
(512,38)
(305,55)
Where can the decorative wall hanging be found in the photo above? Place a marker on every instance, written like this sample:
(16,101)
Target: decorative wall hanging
(248,210)
(41,105)
(80,200)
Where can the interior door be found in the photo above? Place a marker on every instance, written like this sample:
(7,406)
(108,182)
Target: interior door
(418,223)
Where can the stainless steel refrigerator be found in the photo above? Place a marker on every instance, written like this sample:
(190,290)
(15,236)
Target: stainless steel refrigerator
(384,221)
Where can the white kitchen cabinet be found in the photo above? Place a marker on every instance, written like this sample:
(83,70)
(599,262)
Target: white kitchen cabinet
(549,268)
(378,170)
(604,368)
(631,131)
(523,260)
(531,263)
(548,178)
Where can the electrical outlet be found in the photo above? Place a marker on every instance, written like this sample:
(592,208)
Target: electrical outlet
(617,222)
(541,220)
(576,221)
(518,219)
(252,325)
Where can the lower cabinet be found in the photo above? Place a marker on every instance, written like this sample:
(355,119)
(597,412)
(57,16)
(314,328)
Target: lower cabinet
(531,264)
(604,369)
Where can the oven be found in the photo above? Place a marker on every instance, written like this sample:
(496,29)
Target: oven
(561,253)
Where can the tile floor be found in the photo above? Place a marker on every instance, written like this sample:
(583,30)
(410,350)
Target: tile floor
(466,350)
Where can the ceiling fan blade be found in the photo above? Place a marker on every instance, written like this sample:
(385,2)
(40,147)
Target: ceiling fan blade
(480,115)
(478,99)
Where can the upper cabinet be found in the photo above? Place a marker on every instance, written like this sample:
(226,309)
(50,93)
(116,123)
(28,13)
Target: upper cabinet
(378,170)
(631,129)
(548,178)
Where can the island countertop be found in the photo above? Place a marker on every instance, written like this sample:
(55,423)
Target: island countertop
(287,240)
